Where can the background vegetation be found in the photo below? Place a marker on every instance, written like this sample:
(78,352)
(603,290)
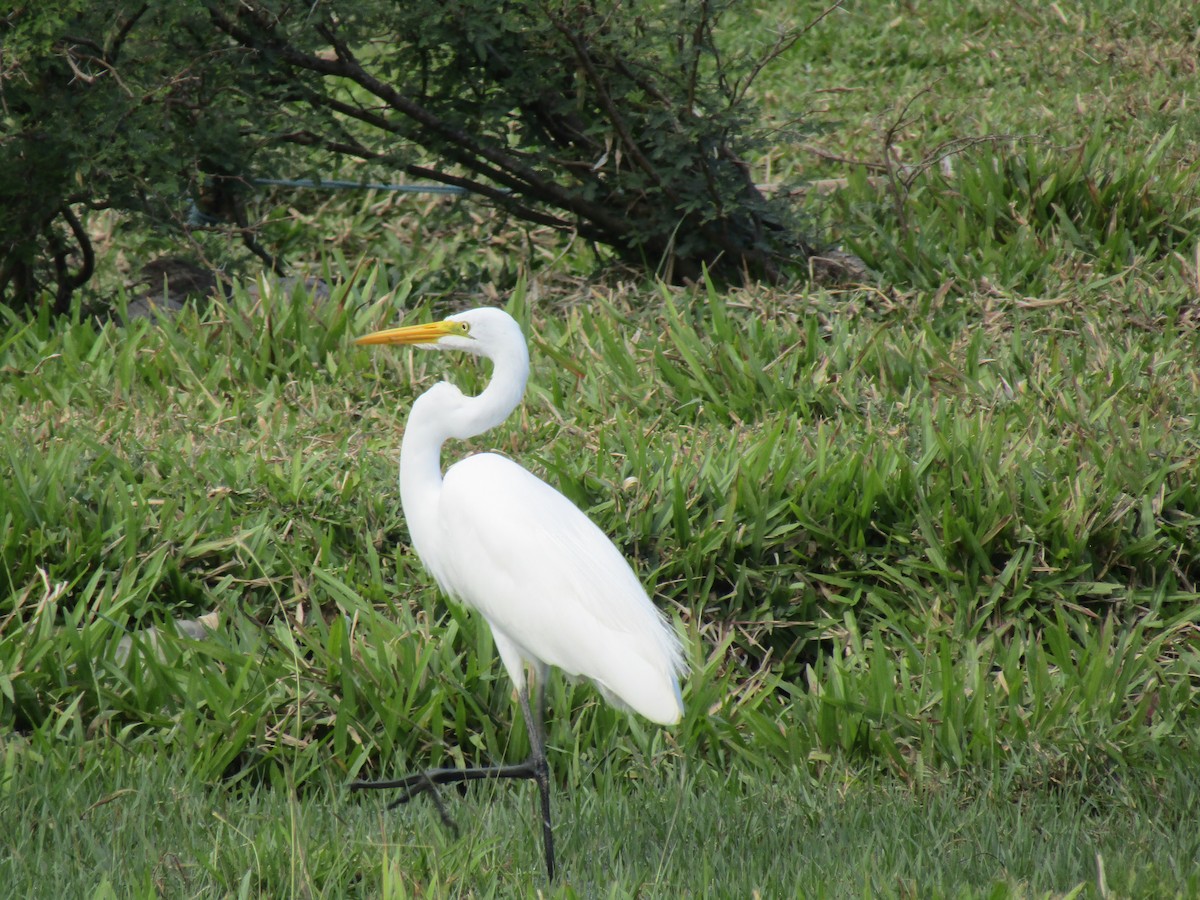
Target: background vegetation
(934,545)
(628,131)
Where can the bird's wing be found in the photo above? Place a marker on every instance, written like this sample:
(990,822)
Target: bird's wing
(543,574)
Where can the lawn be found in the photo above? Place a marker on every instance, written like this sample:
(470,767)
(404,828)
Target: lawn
(146,826)
(933,543)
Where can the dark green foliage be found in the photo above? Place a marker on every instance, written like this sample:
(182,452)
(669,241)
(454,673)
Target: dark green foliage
(108,106)
(626,129)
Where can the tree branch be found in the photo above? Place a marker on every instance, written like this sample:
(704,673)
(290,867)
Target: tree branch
(459,146)
(114,50)
(610,110)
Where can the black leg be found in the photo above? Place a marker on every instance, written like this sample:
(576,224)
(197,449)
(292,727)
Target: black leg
(541,768)
(535,768)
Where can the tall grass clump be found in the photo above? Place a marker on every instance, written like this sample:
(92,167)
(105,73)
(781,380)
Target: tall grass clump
(1026,217)
(926,540)
(928,533)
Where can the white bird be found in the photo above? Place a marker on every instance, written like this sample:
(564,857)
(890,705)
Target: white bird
(551,586)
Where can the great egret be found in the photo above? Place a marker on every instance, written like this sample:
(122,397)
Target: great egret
(549,583)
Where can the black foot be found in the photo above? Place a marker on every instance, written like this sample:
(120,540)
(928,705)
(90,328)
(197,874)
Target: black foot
(427,782)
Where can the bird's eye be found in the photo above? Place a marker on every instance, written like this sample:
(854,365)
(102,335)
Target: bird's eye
(464,327)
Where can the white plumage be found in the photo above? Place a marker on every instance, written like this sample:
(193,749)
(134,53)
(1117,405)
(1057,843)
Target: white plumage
(562,595)
(553,588)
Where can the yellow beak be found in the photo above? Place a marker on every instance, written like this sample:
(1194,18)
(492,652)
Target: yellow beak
(429,333)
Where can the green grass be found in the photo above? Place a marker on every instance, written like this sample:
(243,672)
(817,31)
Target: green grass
(959,555)
(943,71)
(148,827)
(934,546)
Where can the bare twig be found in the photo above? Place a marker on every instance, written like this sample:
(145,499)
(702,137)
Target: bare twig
(891,162)
(783,43)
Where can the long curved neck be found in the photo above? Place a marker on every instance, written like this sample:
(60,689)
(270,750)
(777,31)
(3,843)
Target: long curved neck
(444,412)
(475,415)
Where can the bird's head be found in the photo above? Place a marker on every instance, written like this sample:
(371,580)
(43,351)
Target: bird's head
(482,332)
